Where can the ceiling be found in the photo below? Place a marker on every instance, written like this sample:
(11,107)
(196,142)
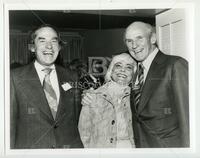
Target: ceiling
(81,19)
(122,12)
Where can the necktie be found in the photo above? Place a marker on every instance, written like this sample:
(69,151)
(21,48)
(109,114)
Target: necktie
(138,87)
(49,92)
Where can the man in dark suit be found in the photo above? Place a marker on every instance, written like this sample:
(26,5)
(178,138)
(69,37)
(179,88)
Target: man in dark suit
(159,98)
(160,103)
(44,104)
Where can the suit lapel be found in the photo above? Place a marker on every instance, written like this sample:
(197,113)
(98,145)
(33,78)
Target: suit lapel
(152,80)
(66,97)
(33,90)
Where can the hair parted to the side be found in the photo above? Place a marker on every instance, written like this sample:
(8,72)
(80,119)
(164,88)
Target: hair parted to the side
(116,59)
(33,33)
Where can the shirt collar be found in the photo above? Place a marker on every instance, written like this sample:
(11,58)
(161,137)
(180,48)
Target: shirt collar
(147,62)
(40,67)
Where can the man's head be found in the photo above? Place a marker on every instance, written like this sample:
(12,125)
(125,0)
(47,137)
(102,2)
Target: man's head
(140,39)
(46,45)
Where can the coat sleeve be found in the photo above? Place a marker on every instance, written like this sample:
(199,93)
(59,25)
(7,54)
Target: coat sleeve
(85,126)
(13,113)
(181,97)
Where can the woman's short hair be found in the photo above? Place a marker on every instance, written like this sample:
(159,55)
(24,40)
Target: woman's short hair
(116,59)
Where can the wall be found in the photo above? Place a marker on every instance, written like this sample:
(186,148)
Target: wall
(103,42)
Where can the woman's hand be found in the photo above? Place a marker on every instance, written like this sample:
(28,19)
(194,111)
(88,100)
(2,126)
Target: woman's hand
(87,97)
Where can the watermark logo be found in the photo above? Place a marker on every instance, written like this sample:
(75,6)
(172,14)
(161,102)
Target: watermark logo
(98,66)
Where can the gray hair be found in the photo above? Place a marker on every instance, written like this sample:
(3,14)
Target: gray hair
(148,27)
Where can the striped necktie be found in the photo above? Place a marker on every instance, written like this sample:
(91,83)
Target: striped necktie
(49,92)
(138,87)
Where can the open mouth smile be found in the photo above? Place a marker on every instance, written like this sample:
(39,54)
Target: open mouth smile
(137,52)
(122,75)
(48,53)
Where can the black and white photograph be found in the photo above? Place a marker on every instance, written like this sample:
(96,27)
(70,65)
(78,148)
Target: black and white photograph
(90,80)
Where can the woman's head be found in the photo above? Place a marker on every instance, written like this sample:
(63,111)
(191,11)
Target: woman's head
(121,69)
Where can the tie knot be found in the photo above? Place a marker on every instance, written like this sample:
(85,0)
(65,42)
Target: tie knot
(140,66)
(140,69)
(47,71)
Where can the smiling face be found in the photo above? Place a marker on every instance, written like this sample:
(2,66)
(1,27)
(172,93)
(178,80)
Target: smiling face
(46,46)
(140,40)
(123,69)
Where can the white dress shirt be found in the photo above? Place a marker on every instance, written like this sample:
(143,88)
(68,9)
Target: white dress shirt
(53,77)
(147,63)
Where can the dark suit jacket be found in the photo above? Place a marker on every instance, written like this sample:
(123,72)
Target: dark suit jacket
(162,117)
(32,124)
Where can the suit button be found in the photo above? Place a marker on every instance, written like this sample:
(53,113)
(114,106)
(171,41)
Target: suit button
(53,146)
(113,122)
(111,140)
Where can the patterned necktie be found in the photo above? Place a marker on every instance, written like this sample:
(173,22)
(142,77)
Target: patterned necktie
(138,87)
(49,92)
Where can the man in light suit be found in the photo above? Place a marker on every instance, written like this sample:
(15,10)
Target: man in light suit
(161,118)
(44,104)
(160,106)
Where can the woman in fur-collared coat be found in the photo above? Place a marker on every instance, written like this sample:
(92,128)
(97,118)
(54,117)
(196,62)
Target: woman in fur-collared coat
(107,122)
